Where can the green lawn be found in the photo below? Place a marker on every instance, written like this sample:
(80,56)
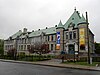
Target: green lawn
(82,63)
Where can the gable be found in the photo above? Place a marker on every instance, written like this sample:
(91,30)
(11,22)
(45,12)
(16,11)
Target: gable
(75,19)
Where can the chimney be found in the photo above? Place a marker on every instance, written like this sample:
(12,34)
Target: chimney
(55,25)
(86,17)
(32,30)
(25,30)
(20,31)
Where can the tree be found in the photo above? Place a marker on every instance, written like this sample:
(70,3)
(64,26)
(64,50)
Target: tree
(1,50)
(1,47)
(97,48)
(12,52)
(31,49)
(39,48)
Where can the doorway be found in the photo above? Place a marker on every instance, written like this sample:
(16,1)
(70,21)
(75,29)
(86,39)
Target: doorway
(71,49)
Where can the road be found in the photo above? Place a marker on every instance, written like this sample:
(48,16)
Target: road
(8,68)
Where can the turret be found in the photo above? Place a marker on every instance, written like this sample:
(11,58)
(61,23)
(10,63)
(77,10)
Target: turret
(60,36)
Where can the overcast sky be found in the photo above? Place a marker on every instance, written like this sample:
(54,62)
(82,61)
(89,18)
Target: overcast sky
(34,14)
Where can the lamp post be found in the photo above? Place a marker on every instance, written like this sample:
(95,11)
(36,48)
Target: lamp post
(63,52)
(88,38)
(15,52)
(74,52)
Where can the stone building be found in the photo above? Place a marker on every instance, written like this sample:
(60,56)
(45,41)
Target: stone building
(71,37)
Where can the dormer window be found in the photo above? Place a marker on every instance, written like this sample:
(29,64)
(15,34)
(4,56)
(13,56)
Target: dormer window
(74,34)
(66,35)
(70,35)
(72,18)
(10,38)
(71,24)
(48,37)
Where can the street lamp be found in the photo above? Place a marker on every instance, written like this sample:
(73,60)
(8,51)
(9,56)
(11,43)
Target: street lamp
(63,52)
(15,52)
(74,52)
(88,38)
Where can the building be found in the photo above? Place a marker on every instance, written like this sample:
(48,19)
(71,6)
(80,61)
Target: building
(73,37)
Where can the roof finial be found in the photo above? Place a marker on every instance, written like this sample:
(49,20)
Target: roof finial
(60,20)
(75,9)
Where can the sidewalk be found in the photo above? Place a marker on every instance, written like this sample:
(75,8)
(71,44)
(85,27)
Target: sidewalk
(56,63)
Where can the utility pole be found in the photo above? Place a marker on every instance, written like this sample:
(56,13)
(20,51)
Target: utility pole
(74,52)
(15,52)
(63,52)
(88,38)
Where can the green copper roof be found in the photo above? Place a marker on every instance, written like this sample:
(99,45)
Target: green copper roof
(16,34)
(60,25)
(83,19)
(23,35)
(75,19)
(47,31)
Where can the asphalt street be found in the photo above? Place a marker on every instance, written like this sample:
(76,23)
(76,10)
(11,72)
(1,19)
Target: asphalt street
(8,68)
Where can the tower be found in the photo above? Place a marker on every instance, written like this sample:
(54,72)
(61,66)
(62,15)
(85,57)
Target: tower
(60,37)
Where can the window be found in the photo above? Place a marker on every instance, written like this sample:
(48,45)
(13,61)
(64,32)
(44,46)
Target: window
(51,37)
(21,47)
(55,46)
(54,37)
(25,41)
(72,18)
(48,37)
(70,35)
(28,47)
(24,47)
(8,47)
(71,49)
(5,47)
(82,47)
(21,41)
(66,35)
(51,46)
(74,34)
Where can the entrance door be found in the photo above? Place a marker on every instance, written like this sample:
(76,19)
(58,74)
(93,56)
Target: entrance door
(71,49)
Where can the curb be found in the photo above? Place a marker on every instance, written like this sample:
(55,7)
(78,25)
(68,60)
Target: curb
(51,65)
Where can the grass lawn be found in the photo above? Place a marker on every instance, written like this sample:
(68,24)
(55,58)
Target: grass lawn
(34,59)
(82,63)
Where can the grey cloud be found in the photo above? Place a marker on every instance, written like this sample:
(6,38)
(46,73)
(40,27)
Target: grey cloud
(35,14)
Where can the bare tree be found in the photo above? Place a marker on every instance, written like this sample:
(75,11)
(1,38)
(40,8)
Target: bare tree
(12,52)
(39,48)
